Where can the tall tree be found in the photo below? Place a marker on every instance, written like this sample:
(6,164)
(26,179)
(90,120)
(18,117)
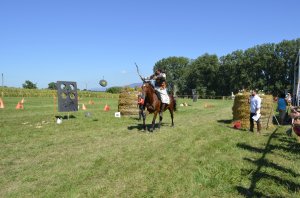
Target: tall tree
(201,74)
(268,67)
(174,68)
(52,86)
(29,85)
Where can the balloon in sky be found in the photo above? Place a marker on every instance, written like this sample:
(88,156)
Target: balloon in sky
(103,83)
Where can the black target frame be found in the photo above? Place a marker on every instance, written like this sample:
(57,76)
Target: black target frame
(67,96)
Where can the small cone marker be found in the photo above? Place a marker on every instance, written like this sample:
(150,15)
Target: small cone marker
(19,106)
(83,107)
(106,108)
(22,101)
(1,104)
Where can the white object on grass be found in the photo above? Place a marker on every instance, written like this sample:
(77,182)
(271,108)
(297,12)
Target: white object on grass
(117,114)
(59,120)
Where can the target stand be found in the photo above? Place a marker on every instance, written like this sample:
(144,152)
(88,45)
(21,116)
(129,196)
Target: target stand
(67,96)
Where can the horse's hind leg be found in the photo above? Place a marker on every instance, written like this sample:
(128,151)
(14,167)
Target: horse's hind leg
(162,108)
(160,119)
(172,116)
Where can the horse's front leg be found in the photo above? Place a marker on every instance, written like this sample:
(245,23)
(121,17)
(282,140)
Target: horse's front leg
(162,108)
(153,122)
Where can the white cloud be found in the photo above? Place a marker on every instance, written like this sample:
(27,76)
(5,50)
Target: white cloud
(123,72)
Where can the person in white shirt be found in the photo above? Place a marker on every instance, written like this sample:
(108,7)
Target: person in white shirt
(255,105)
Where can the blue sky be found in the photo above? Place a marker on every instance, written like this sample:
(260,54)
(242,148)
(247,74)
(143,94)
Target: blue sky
(83,40)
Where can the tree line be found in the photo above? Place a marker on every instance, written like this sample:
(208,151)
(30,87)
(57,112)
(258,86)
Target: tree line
(268,67)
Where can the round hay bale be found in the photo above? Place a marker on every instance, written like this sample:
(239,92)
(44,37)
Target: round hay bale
(127,105)
(241,110)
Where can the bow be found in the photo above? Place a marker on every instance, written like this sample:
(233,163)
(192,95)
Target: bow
(138,71)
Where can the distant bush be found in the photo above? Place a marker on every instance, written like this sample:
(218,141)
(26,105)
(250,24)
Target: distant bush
(114,90)
(29,85)
(52,86)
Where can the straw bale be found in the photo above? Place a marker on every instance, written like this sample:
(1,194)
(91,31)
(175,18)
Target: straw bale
(241,110)
(127,104)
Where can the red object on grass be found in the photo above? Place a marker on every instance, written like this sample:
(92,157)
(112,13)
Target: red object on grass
(237,125)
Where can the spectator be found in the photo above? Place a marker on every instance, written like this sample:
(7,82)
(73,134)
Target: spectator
(281,108)
(255,105)
(141,107)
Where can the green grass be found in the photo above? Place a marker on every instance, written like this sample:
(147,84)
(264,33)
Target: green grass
(104,156)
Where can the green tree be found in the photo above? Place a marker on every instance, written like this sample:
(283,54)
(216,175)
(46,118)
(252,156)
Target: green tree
(114,90)
(286,51)
(174,68)
(268,66)
(29,85)
(52,86)
(201,74)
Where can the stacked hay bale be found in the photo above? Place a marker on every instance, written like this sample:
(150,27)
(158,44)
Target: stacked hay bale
(128,103)
(267,110)
(241,110)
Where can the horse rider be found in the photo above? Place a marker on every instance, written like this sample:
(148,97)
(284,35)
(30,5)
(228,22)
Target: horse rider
(160,87)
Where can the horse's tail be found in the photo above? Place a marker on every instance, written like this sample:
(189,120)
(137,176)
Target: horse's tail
(174,102)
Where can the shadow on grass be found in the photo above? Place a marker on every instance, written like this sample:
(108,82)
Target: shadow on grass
(135,118)
(136,127)
(258,174)
(267,163)
(225,121)
(228,124)
(148,126)
(65,117)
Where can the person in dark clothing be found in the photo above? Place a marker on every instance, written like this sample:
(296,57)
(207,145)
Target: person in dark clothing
(141,106)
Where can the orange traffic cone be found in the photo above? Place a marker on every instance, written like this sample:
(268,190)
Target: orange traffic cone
(1,104)
(83,107)
(19,106)
(106,108)
(91,102)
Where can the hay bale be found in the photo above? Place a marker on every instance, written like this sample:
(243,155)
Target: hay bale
(267,111)
(127,105)
(241,110)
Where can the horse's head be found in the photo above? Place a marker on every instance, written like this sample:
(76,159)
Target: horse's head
(147,87)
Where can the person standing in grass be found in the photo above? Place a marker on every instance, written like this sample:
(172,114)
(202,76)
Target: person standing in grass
(281,107)
(255,105)
(141,105)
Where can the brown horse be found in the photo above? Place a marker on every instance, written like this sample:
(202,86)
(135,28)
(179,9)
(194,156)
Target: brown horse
(153,105)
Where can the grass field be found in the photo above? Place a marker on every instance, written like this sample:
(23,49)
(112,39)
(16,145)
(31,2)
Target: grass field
(104,156)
